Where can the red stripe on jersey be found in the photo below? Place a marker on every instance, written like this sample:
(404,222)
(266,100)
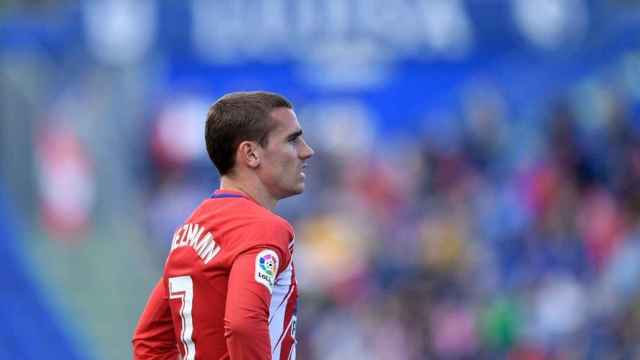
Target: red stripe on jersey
(290,319)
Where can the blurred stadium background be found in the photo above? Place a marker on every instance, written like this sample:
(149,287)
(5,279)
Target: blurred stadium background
(475,192)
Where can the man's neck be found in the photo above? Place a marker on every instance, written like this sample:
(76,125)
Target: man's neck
(254,191)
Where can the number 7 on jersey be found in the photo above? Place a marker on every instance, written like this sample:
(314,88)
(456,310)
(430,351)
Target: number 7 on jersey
(181,287)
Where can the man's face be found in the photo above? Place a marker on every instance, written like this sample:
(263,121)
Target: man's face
(283,158)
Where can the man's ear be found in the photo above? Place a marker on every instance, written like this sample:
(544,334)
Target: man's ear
(248,154)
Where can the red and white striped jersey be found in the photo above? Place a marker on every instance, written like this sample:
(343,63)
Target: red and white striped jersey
(228,290)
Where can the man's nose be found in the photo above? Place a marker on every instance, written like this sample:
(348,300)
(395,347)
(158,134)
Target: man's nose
(307,152)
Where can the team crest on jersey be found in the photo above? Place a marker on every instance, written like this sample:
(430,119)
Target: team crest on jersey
(266,268)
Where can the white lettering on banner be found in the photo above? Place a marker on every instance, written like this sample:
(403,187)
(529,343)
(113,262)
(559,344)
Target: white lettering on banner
(192,235)
(225,31)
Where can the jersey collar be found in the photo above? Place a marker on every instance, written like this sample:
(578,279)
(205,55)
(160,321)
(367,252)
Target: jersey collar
(226,194)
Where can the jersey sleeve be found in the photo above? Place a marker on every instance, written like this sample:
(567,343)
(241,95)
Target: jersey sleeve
(273,233)
(251,279)
(154,337)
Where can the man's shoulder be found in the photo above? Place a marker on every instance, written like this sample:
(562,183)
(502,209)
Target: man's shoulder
(227,208)
(242,219)
(254,214)
(273,222)
(264,228)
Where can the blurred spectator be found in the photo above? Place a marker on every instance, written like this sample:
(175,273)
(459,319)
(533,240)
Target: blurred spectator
(67,182)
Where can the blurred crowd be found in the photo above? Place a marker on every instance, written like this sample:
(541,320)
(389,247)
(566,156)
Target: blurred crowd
(494,232)
(497,234)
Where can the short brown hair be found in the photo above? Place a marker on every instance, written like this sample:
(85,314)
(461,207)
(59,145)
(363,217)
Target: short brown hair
(238,117)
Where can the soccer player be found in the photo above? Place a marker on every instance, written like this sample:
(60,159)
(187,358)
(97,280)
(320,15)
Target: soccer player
(228,289)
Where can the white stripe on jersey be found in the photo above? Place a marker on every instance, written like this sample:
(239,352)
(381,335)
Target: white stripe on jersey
(279,298)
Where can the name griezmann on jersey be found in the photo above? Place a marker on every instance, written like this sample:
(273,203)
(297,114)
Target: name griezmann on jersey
(192,235)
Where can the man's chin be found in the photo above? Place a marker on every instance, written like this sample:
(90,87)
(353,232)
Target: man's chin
(298,189)
(294,191)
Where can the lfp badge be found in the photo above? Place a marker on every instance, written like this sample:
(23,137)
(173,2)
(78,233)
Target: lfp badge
(266,268)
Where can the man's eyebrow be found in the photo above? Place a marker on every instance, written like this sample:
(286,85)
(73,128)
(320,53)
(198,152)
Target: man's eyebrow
(294,135)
